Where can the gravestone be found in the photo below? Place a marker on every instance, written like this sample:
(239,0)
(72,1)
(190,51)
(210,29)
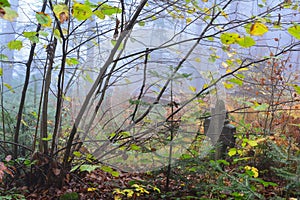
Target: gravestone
(217,124)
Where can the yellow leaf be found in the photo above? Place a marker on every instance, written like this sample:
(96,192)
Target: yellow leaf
(61,12)
(228,85)
(192,88)
(224,64)
(81,11)
(258,29)
(197,59)
(224,14)
(188,20)
(91,189)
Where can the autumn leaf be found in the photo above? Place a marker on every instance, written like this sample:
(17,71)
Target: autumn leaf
(81,11)
(43,19)
(228,85)
(9,87)
(229,38)
(258,29)
(61,12)
(295,31)
(192,88)
(8,14)
(91,189)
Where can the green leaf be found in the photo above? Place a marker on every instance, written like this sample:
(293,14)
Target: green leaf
(57,35)
(141,23)
(297,89)
(43,19)
(32,36)
(75,168)
(246,41)
(3,57)
(248,27)
(9,87)
(99,14)
(236,81)
(29,34)
(72,61)
(252,143)
(186,156)
(229,38)
(4,3)
(261,107)
(266,183)
(115,174)
(77,154)
(135,147)
(15,44)
(88,168)
(295,31)
(223,162)
(107,169)
(47,138)
(43,33)
(110,10)
(88,78)
(1,71)
(124,134)
(232,152)
(81,11)
(114,42)
(10,14)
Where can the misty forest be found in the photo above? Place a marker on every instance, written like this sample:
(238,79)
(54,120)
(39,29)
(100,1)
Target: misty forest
(150,99)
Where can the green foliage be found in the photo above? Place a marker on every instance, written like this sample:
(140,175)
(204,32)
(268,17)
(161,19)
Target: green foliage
(229,38)
(69,196)
(43,19)
(82,11)
(287,166)
(3,57)
(72,61)
(4,3)
(295,31)
(297,89)
(245,41)
(235,38)
(32,36)
(9,87)
(15,45)
(109,10)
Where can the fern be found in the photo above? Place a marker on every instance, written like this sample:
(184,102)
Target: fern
(290,167)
